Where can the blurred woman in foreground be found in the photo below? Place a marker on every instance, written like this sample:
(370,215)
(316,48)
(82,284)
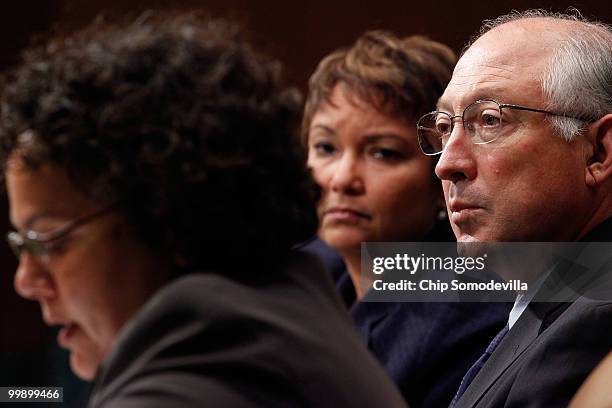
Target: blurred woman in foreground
(360,129)
(156,188)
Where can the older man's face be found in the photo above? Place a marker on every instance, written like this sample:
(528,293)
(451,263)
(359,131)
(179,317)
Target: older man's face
(529,184)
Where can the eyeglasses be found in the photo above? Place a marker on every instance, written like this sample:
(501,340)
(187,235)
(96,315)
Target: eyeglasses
(482,120)
(41,244)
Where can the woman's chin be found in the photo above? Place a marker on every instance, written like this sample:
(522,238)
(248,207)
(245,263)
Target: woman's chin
(84,367)
(343,242)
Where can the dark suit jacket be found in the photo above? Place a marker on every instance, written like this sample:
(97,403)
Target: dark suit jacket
(554,345)
(205,340)
(426,348)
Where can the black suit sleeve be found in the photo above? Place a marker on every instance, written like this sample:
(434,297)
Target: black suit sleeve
(175,389)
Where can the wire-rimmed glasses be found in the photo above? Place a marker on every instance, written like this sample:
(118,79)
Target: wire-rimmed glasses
(482,121)
(41,244)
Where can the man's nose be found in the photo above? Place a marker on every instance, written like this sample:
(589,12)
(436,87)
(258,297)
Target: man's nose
(32,280)
(457,161)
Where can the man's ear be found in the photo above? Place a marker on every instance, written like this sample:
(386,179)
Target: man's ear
(599,167)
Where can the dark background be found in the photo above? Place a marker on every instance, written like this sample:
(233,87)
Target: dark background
(296,33)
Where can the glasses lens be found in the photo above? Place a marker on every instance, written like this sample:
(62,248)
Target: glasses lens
(20,243)
(15,241)
(482,121)
(433,129)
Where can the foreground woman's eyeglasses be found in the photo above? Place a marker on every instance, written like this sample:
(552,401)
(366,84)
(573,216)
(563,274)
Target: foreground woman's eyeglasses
(38,244)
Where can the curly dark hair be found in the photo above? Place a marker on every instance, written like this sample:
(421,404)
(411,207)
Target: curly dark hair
(181,122)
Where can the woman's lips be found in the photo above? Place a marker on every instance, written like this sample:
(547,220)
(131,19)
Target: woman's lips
(65,335)
(345,214)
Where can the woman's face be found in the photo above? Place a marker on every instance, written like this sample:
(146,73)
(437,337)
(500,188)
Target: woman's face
(94,279)
(377,185)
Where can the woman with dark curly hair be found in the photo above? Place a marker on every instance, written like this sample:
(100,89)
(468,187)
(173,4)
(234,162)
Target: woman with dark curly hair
(157,189)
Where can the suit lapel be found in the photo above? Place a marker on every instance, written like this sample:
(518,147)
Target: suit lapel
(533,321)
(540,315)
(518,339)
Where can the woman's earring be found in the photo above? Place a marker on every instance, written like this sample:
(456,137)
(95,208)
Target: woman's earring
(442,215)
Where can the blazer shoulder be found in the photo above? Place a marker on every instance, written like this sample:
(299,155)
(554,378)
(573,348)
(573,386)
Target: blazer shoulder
(551,369)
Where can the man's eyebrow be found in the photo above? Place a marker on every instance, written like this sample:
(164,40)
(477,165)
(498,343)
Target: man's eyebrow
(441,105)
(484,94)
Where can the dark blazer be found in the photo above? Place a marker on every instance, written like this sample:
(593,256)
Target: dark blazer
(554,345)
(205,340)
(426,348)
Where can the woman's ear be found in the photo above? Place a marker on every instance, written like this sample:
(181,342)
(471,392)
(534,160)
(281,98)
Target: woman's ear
(599,165)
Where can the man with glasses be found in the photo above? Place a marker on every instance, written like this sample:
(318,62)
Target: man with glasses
(524,134)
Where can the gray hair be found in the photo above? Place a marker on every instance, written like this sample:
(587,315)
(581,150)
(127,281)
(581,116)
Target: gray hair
(578,79)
